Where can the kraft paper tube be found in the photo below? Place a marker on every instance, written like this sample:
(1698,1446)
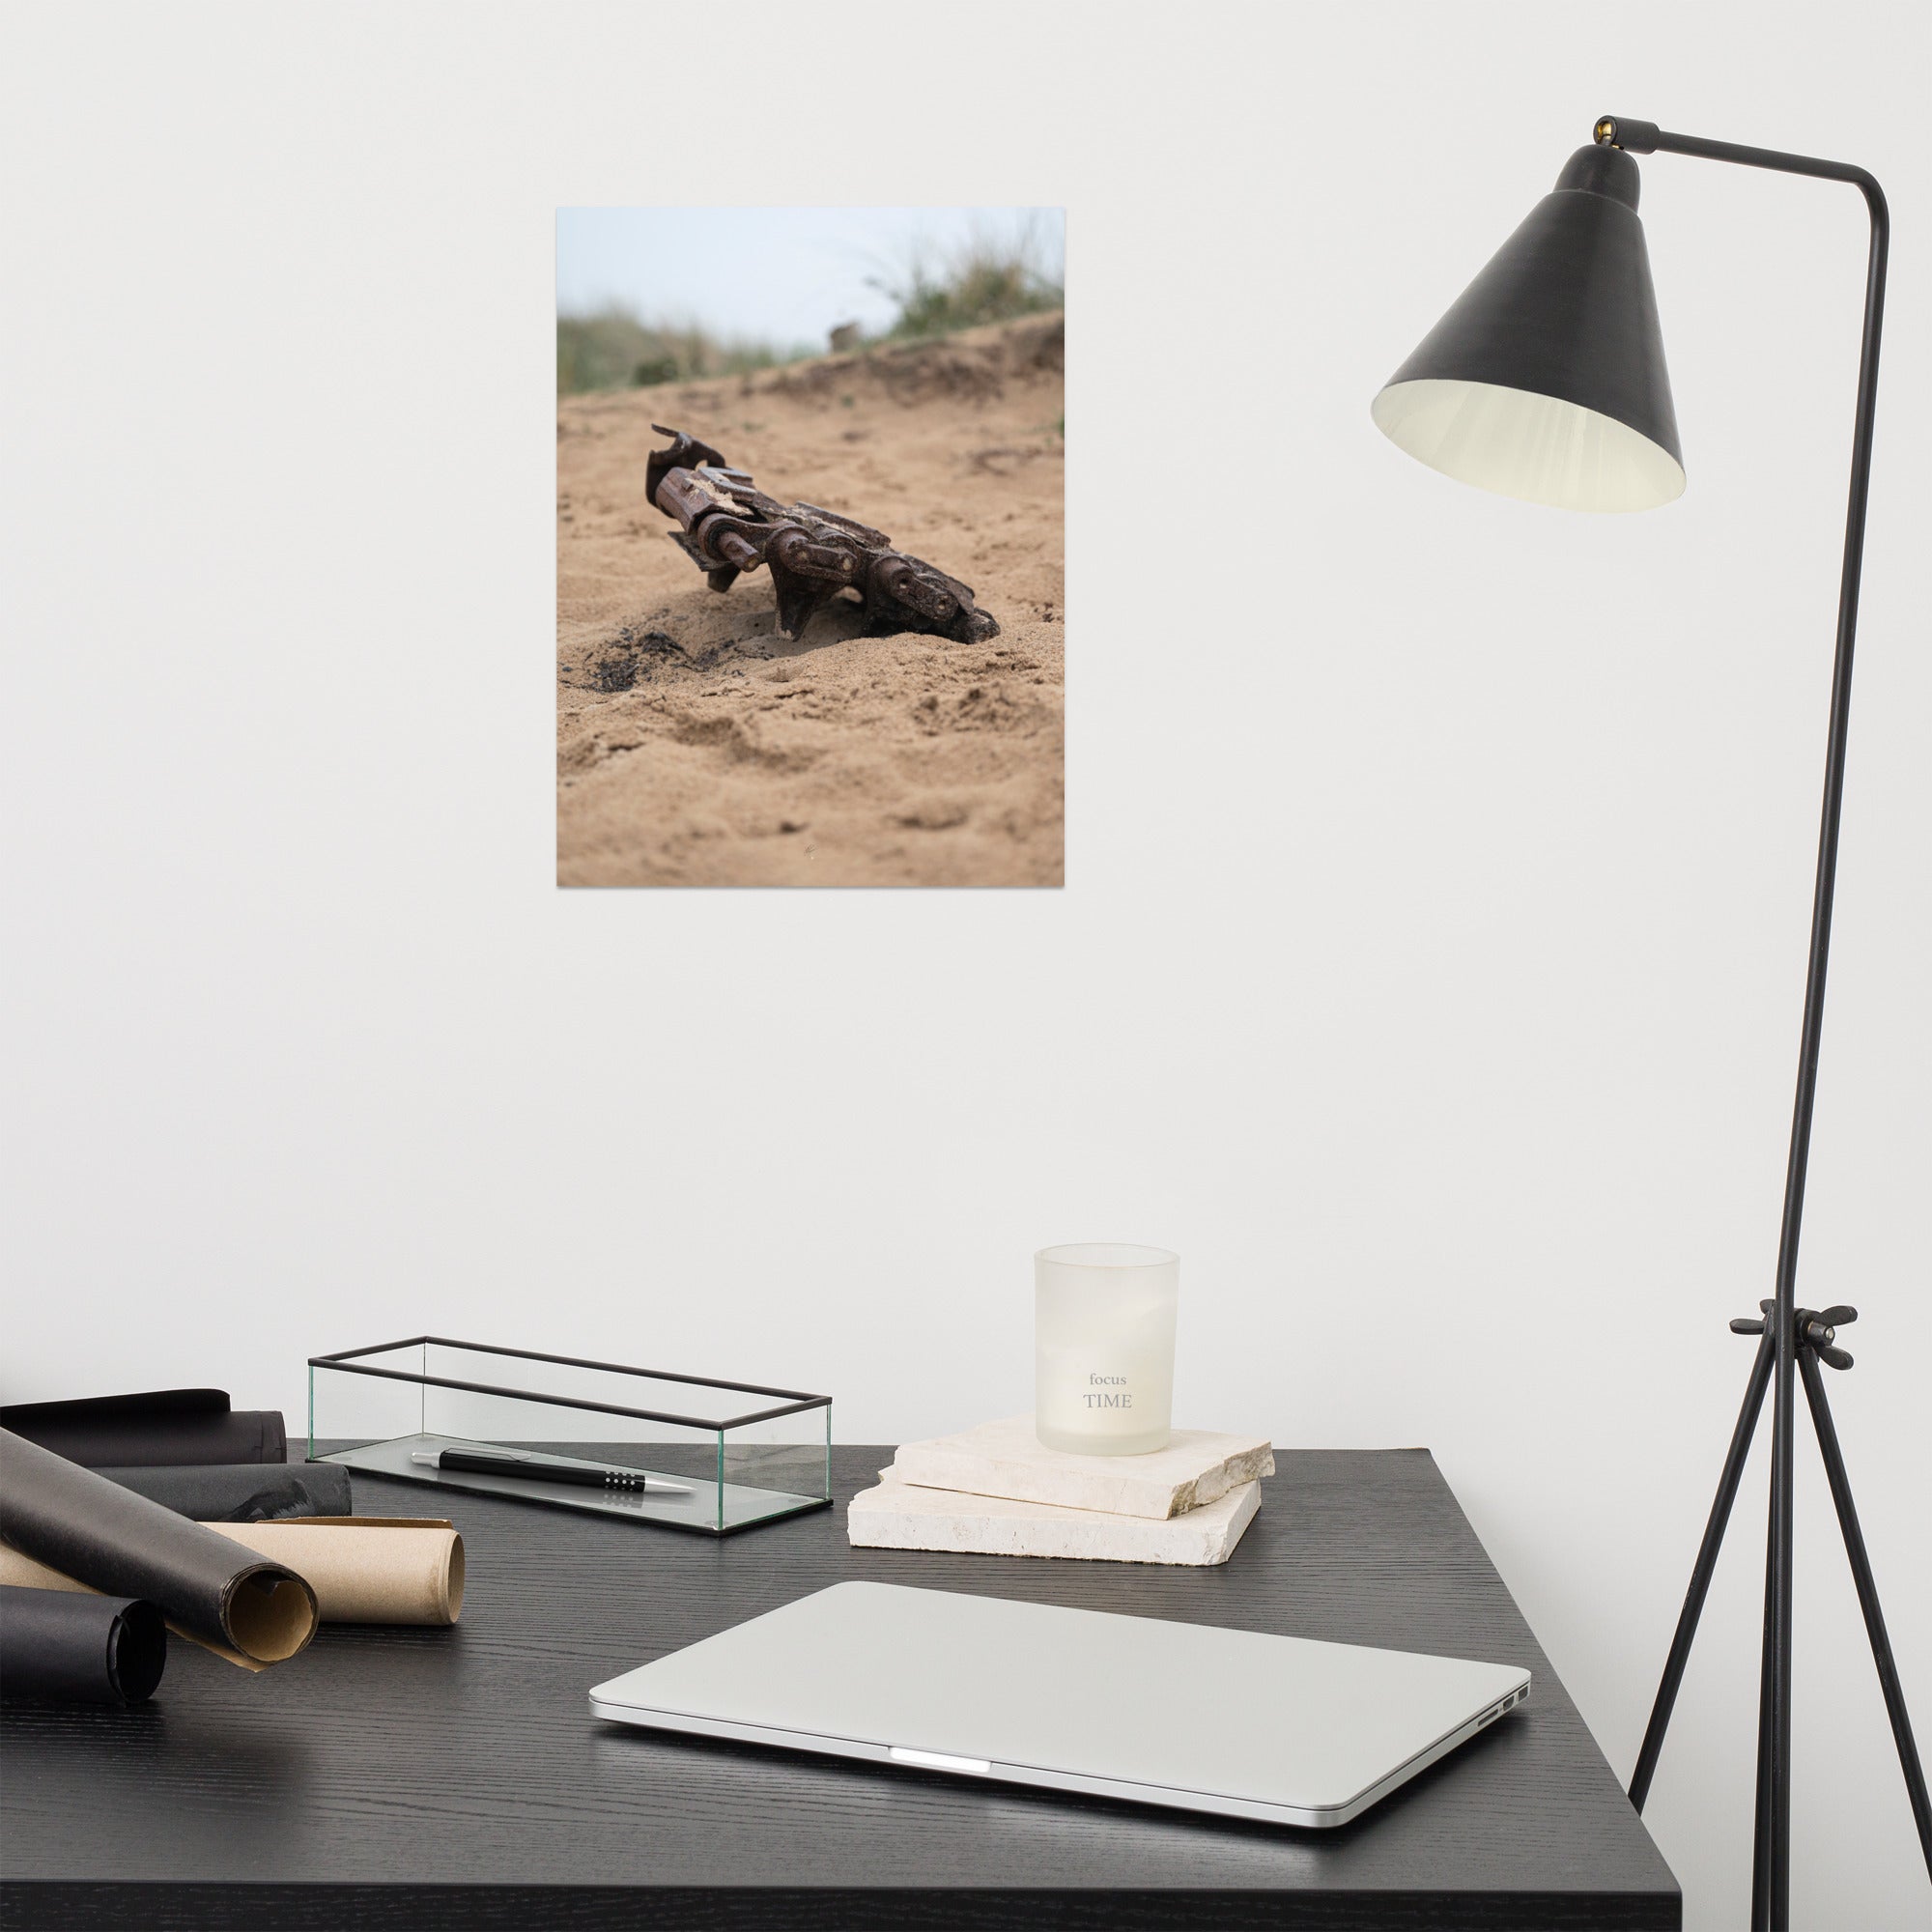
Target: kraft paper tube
(79,1649)
(367,1570)
(363,1570)
(84,1532)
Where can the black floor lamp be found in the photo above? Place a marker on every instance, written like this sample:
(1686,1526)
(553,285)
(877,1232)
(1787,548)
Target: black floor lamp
(1547,381)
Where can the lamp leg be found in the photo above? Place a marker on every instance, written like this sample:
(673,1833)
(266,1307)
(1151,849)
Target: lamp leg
(1868,1588)
(1778,1637)
(1761,1826)
(1701,1573)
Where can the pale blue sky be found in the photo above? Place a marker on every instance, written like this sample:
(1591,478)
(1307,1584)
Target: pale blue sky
(783,274)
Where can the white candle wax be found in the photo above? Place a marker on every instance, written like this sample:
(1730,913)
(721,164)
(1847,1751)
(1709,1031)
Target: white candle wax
(1103,1363)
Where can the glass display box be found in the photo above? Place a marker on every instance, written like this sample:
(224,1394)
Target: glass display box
(683,1452)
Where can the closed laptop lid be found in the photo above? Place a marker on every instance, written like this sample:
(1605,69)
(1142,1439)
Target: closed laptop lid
(1274,1720)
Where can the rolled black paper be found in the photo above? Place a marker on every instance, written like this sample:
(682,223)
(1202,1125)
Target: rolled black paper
(162,1426)
(78,1649)
(242,1492)
(207,1587)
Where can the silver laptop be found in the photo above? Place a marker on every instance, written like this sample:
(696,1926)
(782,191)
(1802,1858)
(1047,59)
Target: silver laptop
(1279,1729)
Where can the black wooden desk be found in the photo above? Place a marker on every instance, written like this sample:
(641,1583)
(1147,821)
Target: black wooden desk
(420,1779)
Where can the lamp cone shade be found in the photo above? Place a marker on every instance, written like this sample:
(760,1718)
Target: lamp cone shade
(1546,380)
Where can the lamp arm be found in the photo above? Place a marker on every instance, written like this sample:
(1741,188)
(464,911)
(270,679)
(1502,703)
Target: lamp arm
(1771,1905)
(1646,137)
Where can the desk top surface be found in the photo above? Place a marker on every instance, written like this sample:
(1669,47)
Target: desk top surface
(462,1764)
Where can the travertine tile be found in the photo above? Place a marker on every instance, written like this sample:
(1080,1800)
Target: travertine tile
(902,1516)
(1006,1459)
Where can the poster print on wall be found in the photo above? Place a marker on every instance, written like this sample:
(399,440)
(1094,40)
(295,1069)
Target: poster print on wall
(809,549)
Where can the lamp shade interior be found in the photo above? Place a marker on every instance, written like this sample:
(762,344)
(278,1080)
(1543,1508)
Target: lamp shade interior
(1545,379)
(1519,444)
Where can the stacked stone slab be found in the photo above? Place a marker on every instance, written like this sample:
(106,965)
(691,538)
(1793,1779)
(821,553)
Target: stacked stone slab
(997,1491)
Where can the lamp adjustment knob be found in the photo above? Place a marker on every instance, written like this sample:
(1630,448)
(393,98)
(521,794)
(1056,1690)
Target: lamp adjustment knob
(1619,130)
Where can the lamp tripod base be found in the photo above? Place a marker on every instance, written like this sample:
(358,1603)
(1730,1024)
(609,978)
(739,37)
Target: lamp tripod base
(1814,1340)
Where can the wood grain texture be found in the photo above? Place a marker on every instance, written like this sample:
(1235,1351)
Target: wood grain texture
(452,1777)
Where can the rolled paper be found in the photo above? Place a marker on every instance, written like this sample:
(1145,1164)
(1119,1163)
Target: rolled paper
(79,1649)
(241,1491)
(363,1570)
(21,1571)
(157,1427)
(85,1530)
(367,1570)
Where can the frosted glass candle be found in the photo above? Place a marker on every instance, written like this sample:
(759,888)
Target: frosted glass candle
(1103,1346)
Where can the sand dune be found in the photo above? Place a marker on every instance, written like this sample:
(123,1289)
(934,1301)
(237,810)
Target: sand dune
(696,746)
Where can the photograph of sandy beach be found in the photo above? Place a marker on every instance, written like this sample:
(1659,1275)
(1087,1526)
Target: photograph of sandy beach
(697,743)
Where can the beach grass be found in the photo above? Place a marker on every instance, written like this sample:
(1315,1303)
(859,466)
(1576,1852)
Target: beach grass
(988,279)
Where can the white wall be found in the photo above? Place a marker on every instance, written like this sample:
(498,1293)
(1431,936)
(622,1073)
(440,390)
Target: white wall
(1430,967)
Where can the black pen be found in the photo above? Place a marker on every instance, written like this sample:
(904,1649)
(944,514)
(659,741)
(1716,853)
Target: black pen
(531,1468)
